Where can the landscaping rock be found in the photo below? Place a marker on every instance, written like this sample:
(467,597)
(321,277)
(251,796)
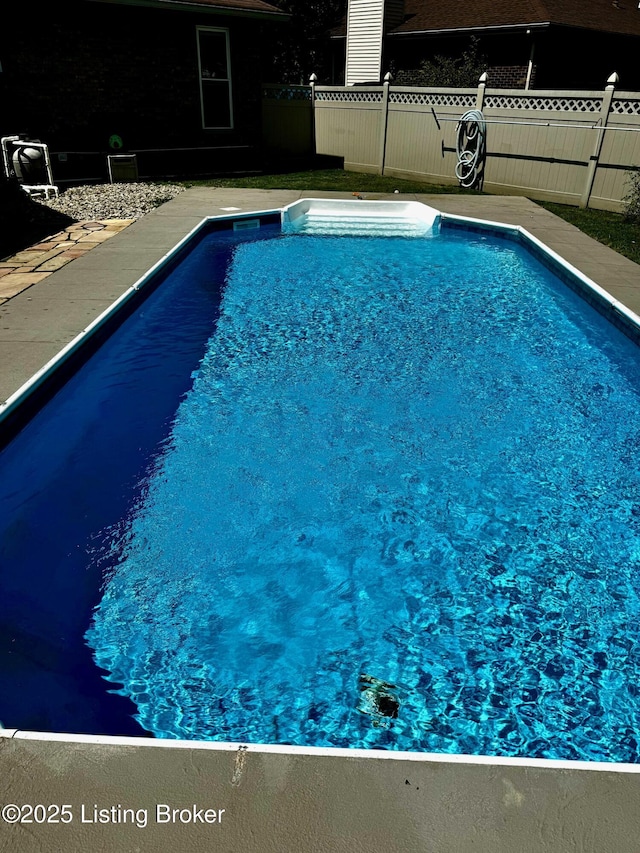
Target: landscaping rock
(112,201)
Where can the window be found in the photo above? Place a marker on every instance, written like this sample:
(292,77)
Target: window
(215,78)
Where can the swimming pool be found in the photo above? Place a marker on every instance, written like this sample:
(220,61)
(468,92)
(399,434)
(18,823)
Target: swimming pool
(368,519)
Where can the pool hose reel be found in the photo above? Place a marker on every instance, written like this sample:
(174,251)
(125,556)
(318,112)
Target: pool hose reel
(471,149)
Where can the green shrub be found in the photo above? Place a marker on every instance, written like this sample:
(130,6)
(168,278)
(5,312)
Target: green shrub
(461,71)
(632,198)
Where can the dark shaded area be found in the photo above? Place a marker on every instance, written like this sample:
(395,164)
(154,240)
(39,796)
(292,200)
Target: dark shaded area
(23,221)
(303,47)
(459,70)
(563,56)
(89,72)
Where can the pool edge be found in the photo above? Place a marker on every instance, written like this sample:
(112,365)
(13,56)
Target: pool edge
(322,751)
(615,311)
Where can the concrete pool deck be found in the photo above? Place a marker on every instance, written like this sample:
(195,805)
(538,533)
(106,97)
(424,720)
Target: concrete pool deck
(292,801)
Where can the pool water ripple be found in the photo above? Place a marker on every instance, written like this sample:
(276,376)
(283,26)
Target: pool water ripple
(415,459)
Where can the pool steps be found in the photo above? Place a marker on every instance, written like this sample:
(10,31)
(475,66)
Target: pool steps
(360,218)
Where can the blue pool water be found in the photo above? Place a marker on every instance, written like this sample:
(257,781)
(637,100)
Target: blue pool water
(413,460)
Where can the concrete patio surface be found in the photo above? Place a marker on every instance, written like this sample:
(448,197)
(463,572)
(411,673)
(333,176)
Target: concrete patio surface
(276,802)
(292,801)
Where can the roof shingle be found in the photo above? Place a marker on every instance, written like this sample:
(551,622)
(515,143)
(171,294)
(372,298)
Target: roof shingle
(609,16)
(622,16)
(232,5)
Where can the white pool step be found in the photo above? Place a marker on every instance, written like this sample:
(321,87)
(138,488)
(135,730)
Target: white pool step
(360,226)
(360,218)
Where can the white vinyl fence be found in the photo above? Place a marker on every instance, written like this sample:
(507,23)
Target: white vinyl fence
(574,147)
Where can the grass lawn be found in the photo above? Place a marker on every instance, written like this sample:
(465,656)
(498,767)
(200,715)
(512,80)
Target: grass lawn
(327,179)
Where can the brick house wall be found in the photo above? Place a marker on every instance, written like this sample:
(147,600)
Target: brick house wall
(510,76)
(94,70)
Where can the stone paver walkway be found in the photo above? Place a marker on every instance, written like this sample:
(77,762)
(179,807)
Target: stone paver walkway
(20,271)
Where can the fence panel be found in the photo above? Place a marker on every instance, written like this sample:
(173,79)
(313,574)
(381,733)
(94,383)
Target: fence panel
(287,119)
(540,142)
(620,150)
(348,124)
(421,132)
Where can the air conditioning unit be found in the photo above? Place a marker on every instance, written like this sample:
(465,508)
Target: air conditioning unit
(123,168)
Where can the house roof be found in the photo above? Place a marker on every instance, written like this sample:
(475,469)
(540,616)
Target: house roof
(228,7)
(427,16)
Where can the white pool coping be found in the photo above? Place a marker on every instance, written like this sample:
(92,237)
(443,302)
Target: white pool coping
(325,751)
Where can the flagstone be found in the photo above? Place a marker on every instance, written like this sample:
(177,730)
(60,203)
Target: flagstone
(54,264)
(15,283)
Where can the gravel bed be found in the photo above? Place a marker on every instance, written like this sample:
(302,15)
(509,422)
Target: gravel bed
(112,201)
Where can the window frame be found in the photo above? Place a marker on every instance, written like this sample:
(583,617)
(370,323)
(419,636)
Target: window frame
(203,80)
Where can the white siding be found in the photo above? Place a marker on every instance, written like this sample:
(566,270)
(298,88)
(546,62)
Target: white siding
(365,20)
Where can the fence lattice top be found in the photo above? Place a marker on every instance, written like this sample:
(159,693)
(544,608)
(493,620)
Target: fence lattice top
(466,100)
(626,106)
(357,96)
(439,99)
(529,102)
(287,93)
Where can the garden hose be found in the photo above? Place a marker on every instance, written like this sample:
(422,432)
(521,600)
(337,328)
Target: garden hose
(471,149)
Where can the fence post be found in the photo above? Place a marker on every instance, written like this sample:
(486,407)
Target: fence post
(597,148)
(384,121)
(312,83)
(482,85)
